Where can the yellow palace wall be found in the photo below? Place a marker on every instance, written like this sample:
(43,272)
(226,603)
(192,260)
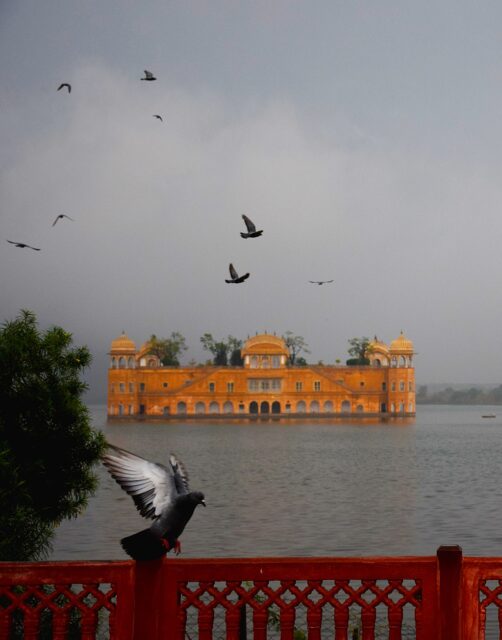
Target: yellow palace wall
(166,391)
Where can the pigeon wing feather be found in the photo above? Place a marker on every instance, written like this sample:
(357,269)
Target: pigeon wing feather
(250,225)
(233,272)
(180,475)
(152,486)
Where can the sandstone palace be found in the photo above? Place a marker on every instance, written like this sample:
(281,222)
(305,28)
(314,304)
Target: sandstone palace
(139,386)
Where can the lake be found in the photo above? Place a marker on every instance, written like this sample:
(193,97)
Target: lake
(314,488)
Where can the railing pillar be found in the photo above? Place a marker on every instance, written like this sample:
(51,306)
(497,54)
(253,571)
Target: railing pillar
(148,599)
(450,590)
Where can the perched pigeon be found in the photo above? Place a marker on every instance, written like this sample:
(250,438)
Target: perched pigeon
(21,245)
(149,76)
(65,84)
(158,117)
(320,281)
(60,217)
(160,493)
(236,279)
(252,233)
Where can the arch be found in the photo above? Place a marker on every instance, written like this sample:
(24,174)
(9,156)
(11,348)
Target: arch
(122,362)
(288,407)
(152,363)
(265,362)
(346,406)
(314,407)
(200,408)
(401,407)
(410,407)
(228,407)
(402,361)
(360,408)
(214,407)
(130,363)
(264,407)
(254,362)
(166,410)
(393,362)
(113,363)
(392,408)
(377,362)
(328,406)
(121,409)
(181,408)
(276,407)
(301,407)
(253,407)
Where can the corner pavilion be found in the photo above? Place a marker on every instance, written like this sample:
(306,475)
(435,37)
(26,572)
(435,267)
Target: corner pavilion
(139,386)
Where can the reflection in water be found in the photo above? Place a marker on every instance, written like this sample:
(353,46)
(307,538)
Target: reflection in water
(329,487)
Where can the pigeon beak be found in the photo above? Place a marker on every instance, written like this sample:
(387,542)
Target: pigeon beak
(203,503)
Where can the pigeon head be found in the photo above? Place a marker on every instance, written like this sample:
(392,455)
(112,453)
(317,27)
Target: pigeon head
(197,497)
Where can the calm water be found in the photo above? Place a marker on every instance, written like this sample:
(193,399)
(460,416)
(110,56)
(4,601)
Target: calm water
(323,489)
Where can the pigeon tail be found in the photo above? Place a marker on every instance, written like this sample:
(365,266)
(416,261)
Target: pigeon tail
(144,545)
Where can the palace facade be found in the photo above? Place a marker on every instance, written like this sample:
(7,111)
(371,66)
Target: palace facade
(139,386)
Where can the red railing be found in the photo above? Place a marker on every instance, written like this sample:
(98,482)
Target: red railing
(443,597)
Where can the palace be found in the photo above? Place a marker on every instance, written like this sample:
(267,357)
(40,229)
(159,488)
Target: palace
(139,386)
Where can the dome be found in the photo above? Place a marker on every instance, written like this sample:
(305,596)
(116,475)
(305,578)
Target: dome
(123,344)
(377,346)
(401,345)
(264,344)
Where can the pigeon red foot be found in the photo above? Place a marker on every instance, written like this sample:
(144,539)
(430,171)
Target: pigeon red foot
(167,546)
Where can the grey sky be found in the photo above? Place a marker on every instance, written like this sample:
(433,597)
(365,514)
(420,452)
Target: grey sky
(363,137)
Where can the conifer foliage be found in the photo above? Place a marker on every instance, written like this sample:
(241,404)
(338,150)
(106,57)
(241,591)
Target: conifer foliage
(47,445)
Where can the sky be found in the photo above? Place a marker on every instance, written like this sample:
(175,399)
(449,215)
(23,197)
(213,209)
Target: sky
(363,137)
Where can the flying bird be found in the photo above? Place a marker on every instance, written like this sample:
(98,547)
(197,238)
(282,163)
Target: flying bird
(158,117)
(65,84)
(160,493)
(21,245)
(60,217)
(149,76)
(236,279)
(252,233)
(320,281)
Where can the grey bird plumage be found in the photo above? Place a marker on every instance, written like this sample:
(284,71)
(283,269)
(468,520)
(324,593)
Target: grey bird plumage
(22,245)
(160,492)
(250,226)
(235,277)
(65,84)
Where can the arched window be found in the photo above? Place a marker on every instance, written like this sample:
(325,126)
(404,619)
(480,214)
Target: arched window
(253,407)
(122,362)
(166,410)
(113,363)
(121,409)
(265,362)
(393,362)
(264,407)
(401,407)
(214,407)
(254,362)
(276,407)
(410,407)
(301,407)
(360,408)
(181,409)
(346,406)
(402,361)
(152,362)
(377,362)
(228,407)
(314,407)
(130,363)
(200,408)
(328,406)
(288,407)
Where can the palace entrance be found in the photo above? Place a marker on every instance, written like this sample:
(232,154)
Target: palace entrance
(276,407)
(264,407)
(253,407)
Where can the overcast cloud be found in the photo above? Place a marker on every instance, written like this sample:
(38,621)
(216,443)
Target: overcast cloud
(364,140)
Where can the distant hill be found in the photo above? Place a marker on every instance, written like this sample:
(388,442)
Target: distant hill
(459,394)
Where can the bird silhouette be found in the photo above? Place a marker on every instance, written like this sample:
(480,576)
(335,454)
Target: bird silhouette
(236,279)
(160,493)
(158,117)
(65,84)
(320,281)
(21,245)
(149,76)
(252,233)
(60,217)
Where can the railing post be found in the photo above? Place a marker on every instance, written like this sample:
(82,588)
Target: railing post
(450,590)
(148,593)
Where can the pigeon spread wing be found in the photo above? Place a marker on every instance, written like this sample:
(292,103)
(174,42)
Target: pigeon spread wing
(233,272)
(180,475)
(250,226)
(152,486)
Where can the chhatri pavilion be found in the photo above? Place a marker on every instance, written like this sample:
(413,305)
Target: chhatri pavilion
(140,387)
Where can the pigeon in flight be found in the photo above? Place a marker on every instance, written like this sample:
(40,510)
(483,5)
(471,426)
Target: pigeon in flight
(320,281)
(149,76)
(158,117)
(60,217)
(252,233)
(160,493)
(65,84)
(236,279)
(21,245)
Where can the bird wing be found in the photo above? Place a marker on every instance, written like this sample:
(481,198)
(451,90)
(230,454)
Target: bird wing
(152,486)
(233,272)
(57,218)
(250,226)
(11,242)
(63,215)
(148,74)
(314,281)
(180,474)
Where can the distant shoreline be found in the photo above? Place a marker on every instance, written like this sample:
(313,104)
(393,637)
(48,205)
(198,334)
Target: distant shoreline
(473,395)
